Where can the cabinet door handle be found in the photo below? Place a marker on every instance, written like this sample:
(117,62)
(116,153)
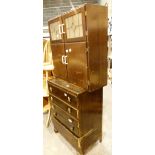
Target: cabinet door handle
(66,60)
(70,121)
(62,59)
(51,98)
(62,28)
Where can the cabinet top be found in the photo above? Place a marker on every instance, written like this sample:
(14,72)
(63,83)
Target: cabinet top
(66,86)
(75,8)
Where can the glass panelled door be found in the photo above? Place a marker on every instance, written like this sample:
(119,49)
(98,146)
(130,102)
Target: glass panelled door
(74,24)
(56,30)
(74,27)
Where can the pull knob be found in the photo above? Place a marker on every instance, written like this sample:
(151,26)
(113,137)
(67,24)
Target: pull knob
(69,110)
(65,94)
(51,89)
(55,114)
(70,50)
(70,120)
(69,99)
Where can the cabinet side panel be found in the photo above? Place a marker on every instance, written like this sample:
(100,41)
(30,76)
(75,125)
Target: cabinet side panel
(91,111)
(97,26)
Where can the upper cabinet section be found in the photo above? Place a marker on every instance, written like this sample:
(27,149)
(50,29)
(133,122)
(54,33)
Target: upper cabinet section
(56,30)
(69,27)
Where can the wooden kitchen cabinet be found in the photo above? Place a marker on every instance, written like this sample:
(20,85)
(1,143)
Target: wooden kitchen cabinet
(79,47)
(83,31)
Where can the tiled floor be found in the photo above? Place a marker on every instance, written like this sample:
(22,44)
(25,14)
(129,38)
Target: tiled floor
(55,144)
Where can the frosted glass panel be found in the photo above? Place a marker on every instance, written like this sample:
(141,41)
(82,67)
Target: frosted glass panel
(54,27)
(74,26)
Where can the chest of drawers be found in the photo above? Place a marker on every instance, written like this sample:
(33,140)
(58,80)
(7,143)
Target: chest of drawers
(79,118)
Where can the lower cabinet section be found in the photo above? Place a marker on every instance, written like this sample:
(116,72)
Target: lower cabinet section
(81,125)
(81,144)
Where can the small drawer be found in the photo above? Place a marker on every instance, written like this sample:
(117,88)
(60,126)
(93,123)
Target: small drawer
(68,98)
(67,121)
(64,106)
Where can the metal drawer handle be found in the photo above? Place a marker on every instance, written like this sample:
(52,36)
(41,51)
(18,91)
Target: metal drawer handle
(53,107)
(72,128)
(69,110)
(70,121)
(69,99)
(55,114)
(51,89)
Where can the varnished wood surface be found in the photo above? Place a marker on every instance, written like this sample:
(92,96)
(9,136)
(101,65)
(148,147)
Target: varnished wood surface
(88,124)
(59,68)
(87,63)
(77,64)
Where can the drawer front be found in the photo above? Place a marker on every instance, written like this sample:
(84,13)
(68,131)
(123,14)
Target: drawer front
(71,100)
(66,120)
(72,139)
(64,106)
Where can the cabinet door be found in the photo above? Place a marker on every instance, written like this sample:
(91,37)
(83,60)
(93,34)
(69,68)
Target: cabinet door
(55,30)
(77,63)
(74,25)
(58,55)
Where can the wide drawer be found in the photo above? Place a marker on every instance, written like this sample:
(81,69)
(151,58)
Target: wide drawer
(66,107)
(72,139)
(66,120)
(70,99)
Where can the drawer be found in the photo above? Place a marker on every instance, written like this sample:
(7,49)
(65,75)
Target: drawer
(70,99)
(72,139)
(66,120)
(64,106)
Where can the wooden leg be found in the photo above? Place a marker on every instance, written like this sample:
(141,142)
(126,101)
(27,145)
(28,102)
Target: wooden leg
(80,153)
(100,139)
(48,117)
(55,130)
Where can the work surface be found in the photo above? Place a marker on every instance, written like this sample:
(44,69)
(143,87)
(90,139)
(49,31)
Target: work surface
(55,144)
